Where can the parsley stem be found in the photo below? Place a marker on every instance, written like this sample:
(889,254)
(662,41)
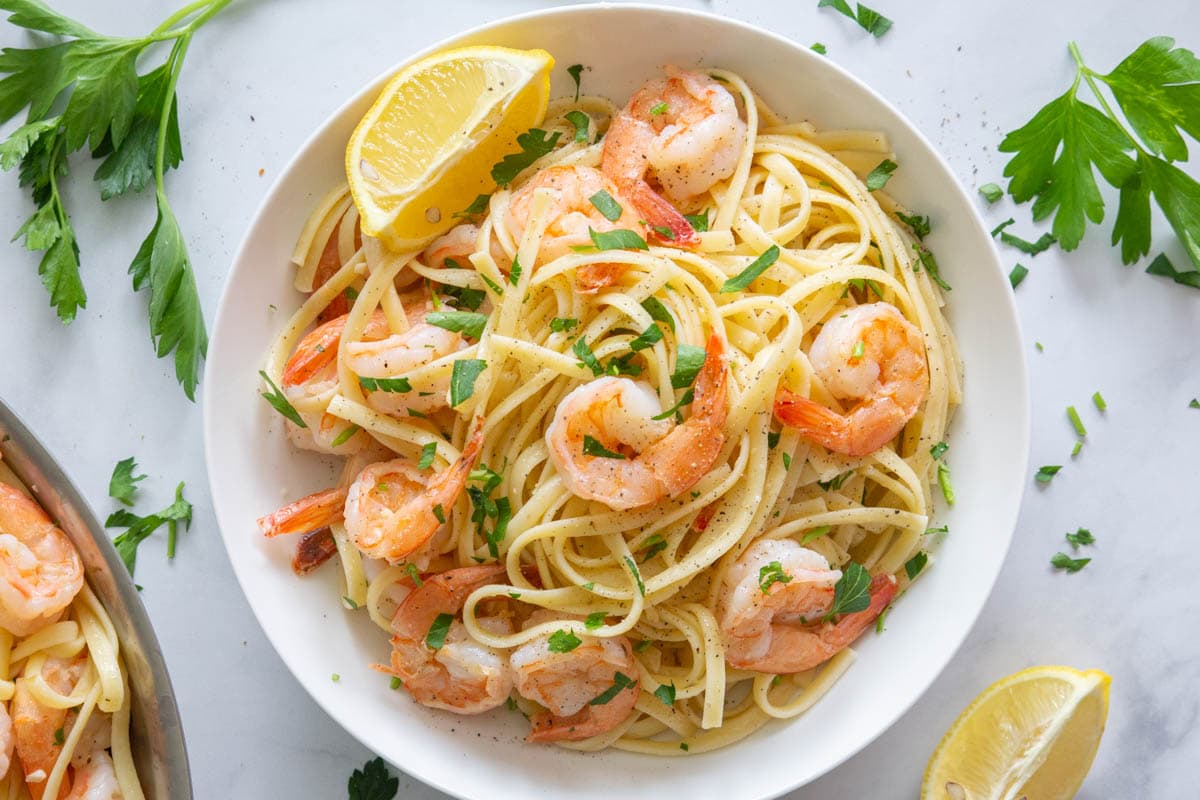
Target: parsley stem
(178,51)
(1081,69)
(164,31)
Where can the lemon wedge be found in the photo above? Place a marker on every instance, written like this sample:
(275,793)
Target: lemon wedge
(1032,735)
(425,149)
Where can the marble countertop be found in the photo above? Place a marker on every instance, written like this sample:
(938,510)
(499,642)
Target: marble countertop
(265,73)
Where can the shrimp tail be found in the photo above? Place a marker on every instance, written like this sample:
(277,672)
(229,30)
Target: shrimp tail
(306,515)
(315,351)
(660,214)
(869,425)
(591,720)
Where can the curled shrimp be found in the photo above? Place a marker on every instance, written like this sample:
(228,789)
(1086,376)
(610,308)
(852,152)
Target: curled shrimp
(654,458)
(40,570)
(400,353)
(572,216)
(683,132)
(38,730)
(781,628)
(870,353)
(576,687)
(95,778)
(460,674)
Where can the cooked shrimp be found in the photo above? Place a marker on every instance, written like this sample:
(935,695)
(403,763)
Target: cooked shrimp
(6,741)
(452,248)
(780,629)
(40,570)
(38,730)
(571,685)
(95,778)
(572,215)
(400,353)
(306,515)
(684,133)
(657,458)
(870,353)
(393,509)
(460,675)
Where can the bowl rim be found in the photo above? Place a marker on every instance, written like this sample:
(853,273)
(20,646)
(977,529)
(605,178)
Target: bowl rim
(50,485)
(1020,416)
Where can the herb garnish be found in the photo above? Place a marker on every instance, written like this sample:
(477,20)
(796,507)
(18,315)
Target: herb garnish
(1161,265)
(869,20)
(689,359)
(648,338)
(392,385)
(1081,537)
(913,567)
(534,144)
(658,312)
(817,47)
(815,533)
(121,486)
(592,447)
(594,620)
(469,323)
(1046,474)
(674,411)
(462,379)
(1065,562)
(581,122)
(666,693)
(1098,400)
(882,173)
(917,223)
(574,71)
(606,205)
(279,402)
(1017,275)
(1076,422)
(563,641)
(699,222)
(637,575)
(835,482)
(621,682)
(373,782)
(586,357)
(770,575)
(139,528)
(478,206)
(438,630)
(618,239)
(991,192)
(660,108)
(653,546)
(345,435)
(851,593)
(563,324)
(428,451)
(758,266)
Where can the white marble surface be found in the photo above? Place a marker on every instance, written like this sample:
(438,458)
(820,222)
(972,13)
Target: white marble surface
(262,75)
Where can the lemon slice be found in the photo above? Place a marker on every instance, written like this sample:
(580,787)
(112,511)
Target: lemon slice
(1031,735)
(426,147)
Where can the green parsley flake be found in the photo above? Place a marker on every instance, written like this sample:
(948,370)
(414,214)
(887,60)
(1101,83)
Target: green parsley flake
(122,484)
(758,266)
(621,682)
(468,323)
(773,439)
(660,108)
(815,533)
(648,338)
(642,646)
(514,273)
(770,575)
(478,206)
(1076,448)
(835,483)
(428,451)
(582,123)
(606,205)
(592,447)
(913,567)
(917,223)
(574,71)
(882,173)
(637,575)
(817,47)
(1081,537)
(280,403)
(683,746)
(345,435)
(859,349)
(563,324)
(851,593)
(438,630)
(688,361)
(666,693)
(658,312)
(991,192)
(534,144)
(1065,562)
(595,620)
(1017,275)
(927,260)
(395,683)
(393,385)
(1098,401)
(939,450)
(1162,266)
(618,239)
(787,460)
(1028,248)
(415,574)
(440,513)
(1076,422)
(562,641)
(699,222)
(1194,404)
(943,476)
(335,677)
(463,377)
(653,546)
(868,19)
(349,602)
(685,400)
(1046,474)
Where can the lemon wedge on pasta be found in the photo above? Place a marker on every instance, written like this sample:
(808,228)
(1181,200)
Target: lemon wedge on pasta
(425,149)
(1031,735)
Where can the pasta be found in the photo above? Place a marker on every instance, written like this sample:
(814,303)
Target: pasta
(565,550)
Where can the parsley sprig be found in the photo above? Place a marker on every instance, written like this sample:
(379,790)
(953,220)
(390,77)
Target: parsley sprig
(1056,153)
(372,782)
(85,90)
(139,528)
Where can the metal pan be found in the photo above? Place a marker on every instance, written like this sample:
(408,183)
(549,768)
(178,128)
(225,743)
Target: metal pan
(156,733)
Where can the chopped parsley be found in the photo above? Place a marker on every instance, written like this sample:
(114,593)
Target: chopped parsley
(514,274)
(534,144)
(581,122)
(882,173)
(280,403)
(818,48)
(770,575)
(642,646)
(1194,403)
(835,482)
(660,108)
(373,782)
(438,630)
(563,324)
(991,192)
(939,450)
(563,641)
(1076,422)
(463,377)
(913,567)
(868,19)
(491,284)
(464,297)
(349,601)
(574,71)
(917,223)
(595,620)
(648,338)
(663,231)
(927,260)
(618,239)
(440,513)
(478,206)
(859,349)
(1028,248)
(943,477)
(395,683)
(621,682)
(637,575)
(773,439)
(591,447)
(683,746)
(851,593)
(758,266)
(1098,400)
(674,410)
(1162,266)
(1065,562)
(699,222)
(653,546)
(58,737)
(666,693)
(586,357)
(138,528)
(1017,275)
(1046,474)
(1081,537)
(415,574)
(468,323)
(1076,448)
(122,485)
(606,205)
(658,312)
(815,533)
(787,460)
(688,361)
(345,435)
(394,385)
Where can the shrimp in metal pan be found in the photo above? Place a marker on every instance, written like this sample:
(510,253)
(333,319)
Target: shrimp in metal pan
(572,217)
(40,569)
(6,741)
(95,778)
(781,629)
(684,133)
(872,354)
(656,458)
(36,728)
(460,674)
(576,687)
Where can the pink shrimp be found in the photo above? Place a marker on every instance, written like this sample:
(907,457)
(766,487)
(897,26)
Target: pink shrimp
(870,353)
(655,458)
(572,217)
(40,569)
(780,628)
(432,653)
(37,730)
(683,132)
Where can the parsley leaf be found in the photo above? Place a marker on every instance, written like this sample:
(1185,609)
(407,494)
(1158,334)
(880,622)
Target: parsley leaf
(758,266)
(851,593)
(279,402)
(925,256)
(581,122)
(699,222)
(658,312)
(648,338)
(591,447)
(606,205)
(478,206)
(815,533)
(666,693)
(869,20)
(462,379)
(1156,86)
(1017,275)
(469,323)
(534,144)
(917,223)
(1161,265)
(770,575)
(373,782)
(1028,248)
(1081,537)
(653,546)
(688,361)
(619,239)
(345,435)
(621,682)
(438,630)
(586,357)
(563,641)
(991,192)
(882,173)
(574,71)
(1065,562)
(637,575)
(393,385)
(594,620)
(817,47)
(121,486)
(939,450)
(139,528)
(685,399)
(913,567)
(563,324)
(1046,474)
(428,451)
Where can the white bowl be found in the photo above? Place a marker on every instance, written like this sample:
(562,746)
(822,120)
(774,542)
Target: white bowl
(253,470)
